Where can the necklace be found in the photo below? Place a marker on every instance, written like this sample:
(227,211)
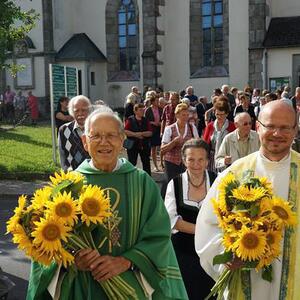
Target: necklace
(196,185)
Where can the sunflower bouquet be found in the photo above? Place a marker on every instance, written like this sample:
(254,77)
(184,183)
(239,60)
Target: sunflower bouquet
(252,220)
(58,221)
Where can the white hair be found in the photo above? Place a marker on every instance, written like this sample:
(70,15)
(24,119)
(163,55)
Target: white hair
(186,101)
(224,86)
(240,115)
(102,111)
(74,100)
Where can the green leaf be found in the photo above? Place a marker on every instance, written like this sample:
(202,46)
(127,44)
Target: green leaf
(61,187)
(250,264)
(254,210)
(267,273)
(223,258)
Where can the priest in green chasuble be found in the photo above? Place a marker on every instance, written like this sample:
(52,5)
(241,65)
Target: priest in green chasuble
(139,249)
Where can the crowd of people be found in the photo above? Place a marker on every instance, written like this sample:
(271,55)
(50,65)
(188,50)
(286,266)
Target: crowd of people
(197,140)
(15,107)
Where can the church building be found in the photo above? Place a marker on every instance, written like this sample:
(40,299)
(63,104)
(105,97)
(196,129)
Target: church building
(116,44)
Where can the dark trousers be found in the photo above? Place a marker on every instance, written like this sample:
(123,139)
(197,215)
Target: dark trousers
(171,171)
(144,155)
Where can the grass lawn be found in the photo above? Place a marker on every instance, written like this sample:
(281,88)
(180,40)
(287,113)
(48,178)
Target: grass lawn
(25,151)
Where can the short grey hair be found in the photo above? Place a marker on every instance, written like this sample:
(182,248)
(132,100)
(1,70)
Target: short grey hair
(103,111)
(74,100)
(238,117)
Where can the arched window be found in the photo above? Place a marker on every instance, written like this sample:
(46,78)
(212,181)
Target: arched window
(212,28)
(209,43)
(128,36)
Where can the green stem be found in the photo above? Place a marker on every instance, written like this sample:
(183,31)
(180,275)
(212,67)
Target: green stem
(92,240)
(79,241)
(107,289)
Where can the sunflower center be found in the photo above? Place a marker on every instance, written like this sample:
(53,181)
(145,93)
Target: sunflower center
(51,232)
(63,210)
(91,207)
(250,241)
(281,212)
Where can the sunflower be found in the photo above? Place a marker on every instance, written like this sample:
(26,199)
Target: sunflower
(244,193)
(41,257)
(22,203)
(22,239)
(265,260)
(228,241)
(234,222)
(266,184)
(40,198)
(64,207)
(274,242)
(64,257)
(225,182)
(49,233)
(94,206)
(75,177)
(284,211)
(250,244)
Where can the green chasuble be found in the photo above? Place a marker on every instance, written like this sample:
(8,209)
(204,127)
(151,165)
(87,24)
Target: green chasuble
(144,238)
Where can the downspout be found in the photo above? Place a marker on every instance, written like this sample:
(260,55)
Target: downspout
(265,69)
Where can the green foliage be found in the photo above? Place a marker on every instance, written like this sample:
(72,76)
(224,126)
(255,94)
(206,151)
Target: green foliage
(14,25)
(267,273)
(223,258)
(26,150)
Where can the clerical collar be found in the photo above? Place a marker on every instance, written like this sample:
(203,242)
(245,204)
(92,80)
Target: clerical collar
(117,167)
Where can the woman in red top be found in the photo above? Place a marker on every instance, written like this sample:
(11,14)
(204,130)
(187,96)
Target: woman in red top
(33,107)
(216,130)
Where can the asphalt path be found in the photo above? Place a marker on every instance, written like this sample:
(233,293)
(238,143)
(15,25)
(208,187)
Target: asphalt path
(12,261)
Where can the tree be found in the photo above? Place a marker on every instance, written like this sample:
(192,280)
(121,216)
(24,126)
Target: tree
(14,25)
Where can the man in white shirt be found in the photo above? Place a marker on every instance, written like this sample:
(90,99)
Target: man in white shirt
(238,143)
(276,161)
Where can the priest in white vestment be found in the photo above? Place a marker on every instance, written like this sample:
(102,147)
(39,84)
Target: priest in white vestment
(277,128)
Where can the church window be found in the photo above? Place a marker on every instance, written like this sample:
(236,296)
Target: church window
(212,30)
(127,34)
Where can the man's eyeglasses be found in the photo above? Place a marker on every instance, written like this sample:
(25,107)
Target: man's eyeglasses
(247,123)
(110,137)
(272,128)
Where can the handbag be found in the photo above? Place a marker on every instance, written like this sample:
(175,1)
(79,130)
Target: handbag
(128,144)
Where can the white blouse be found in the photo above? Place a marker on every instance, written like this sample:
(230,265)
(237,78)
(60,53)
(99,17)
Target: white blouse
(170,200)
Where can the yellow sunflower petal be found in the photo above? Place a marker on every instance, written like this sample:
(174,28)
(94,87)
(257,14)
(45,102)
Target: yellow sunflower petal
(245,193)
(49,233)
(40,198)
(94,206)
(73,176)
(250,244)
(284,212)
(64,207)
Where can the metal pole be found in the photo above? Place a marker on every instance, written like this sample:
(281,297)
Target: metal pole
(52,117)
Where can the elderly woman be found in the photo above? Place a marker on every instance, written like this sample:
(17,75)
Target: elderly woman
(142,252)
(183,199)
(173,138)
(216,131)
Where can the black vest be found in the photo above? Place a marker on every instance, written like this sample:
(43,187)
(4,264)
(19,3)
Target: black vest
(139,126)
(183,240)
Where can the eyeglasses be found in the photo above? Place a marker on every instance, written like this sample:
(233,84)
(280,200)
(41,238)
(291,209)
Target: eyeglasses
(282,129)
(247,123)
(110,137)
(220,114)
